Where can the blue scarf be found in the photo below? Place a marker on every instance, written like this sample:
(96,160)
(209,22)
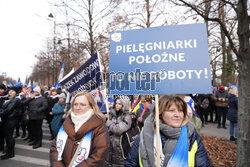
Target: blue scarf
(180,155)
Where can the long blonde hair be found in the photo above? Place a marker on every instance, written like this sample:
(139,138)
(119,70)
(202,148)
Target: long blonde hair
(233,91)
(92,104)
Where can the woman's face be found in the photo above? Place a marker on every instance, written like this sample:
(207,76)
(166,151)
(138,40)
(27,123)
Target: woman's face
(1,91)
(61,100)
(173,117)
(81,105)
(29,89)
(118,105)
(136,97)
(144,102)
(54,93)
(12,94)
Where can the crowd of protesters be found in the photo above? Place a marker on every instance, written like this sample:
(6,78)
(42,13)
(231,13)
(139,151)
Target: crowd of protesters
(82,135)
(27,107)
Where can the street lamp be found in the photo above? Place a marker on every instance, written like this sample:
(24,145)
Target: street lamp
(54,56)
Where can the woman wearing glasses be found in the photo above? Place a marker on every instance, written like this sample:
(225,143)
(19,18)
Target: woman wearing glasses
(83,139)
(180,144)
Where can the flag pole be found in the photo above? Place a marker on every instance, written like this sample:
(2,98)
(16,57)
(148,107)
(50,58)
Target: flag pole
(103,85)
(157,121)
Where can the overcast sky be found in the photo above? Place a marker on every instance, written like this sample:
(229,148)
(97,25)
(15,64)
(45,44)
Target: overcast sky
(23,32)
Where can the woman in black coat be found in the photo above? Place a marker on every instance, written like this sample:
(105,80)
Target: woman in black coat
(8,113)
(232,113)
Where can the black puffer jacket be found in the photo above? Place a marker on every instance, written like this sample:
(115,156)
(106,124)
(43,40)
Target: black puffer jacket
(10,109)
(36,107)
(3,97)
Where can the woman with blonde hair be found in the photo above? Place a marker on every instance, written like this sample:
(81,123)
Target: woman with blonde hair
(180,144)
(83,139)
(232,113)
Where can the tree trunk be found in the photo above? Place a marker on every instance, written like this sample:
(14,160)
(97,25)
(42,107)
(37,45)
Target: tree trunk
(91,37)
(223,45)
(207,11)
(243,145)
(148,14)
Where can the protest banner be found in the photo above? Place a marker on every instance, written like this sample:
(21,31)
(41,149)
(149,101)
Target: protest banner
(160,60)
(87,78)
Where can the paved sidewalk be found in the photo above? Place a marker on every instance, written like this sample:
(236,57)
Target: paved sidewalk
(211,129)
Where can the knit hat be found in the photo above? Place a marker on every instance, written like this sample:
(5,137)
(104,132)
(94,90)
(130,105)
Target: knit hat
(62,95)
(37,89)
(16,89)
(222,88)
(2,86)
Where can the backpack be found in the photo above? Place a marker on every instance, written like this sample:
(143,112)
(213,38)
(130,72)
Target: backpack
(127,139)
(205,103)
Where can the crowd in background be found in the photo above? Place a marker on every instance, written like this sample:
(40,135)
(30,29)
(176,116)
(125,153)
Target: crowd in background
(124,128)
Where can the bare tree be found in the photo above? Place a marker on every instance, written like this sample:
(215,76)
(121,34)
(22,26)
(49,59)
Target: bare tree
(241,49)
(139,14)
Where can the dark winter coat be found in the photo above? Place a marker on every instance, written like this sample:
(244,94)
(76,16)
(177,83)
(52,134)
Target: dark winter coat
(10,109)
(3,97)
(36,107)
(233,108)
(219,94)
(118,123)
(51,102)
(201,157)
(98,149)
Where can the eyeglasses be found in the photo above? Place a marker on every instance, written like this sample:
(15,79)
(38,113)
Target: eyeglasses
(81,105)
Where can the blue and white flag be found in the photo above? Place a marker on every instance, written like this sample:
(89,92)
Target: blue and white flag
(232,86)
(57,85)
(99,97)
(61,72)
(18,83)
(86,78)
(10,83)
(60,77)
(29,84)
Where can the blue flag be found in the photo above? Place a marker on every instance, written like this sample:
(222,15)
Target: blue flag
(18,83)
(10,83)
(61,72)
(86,78)
(232,86)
